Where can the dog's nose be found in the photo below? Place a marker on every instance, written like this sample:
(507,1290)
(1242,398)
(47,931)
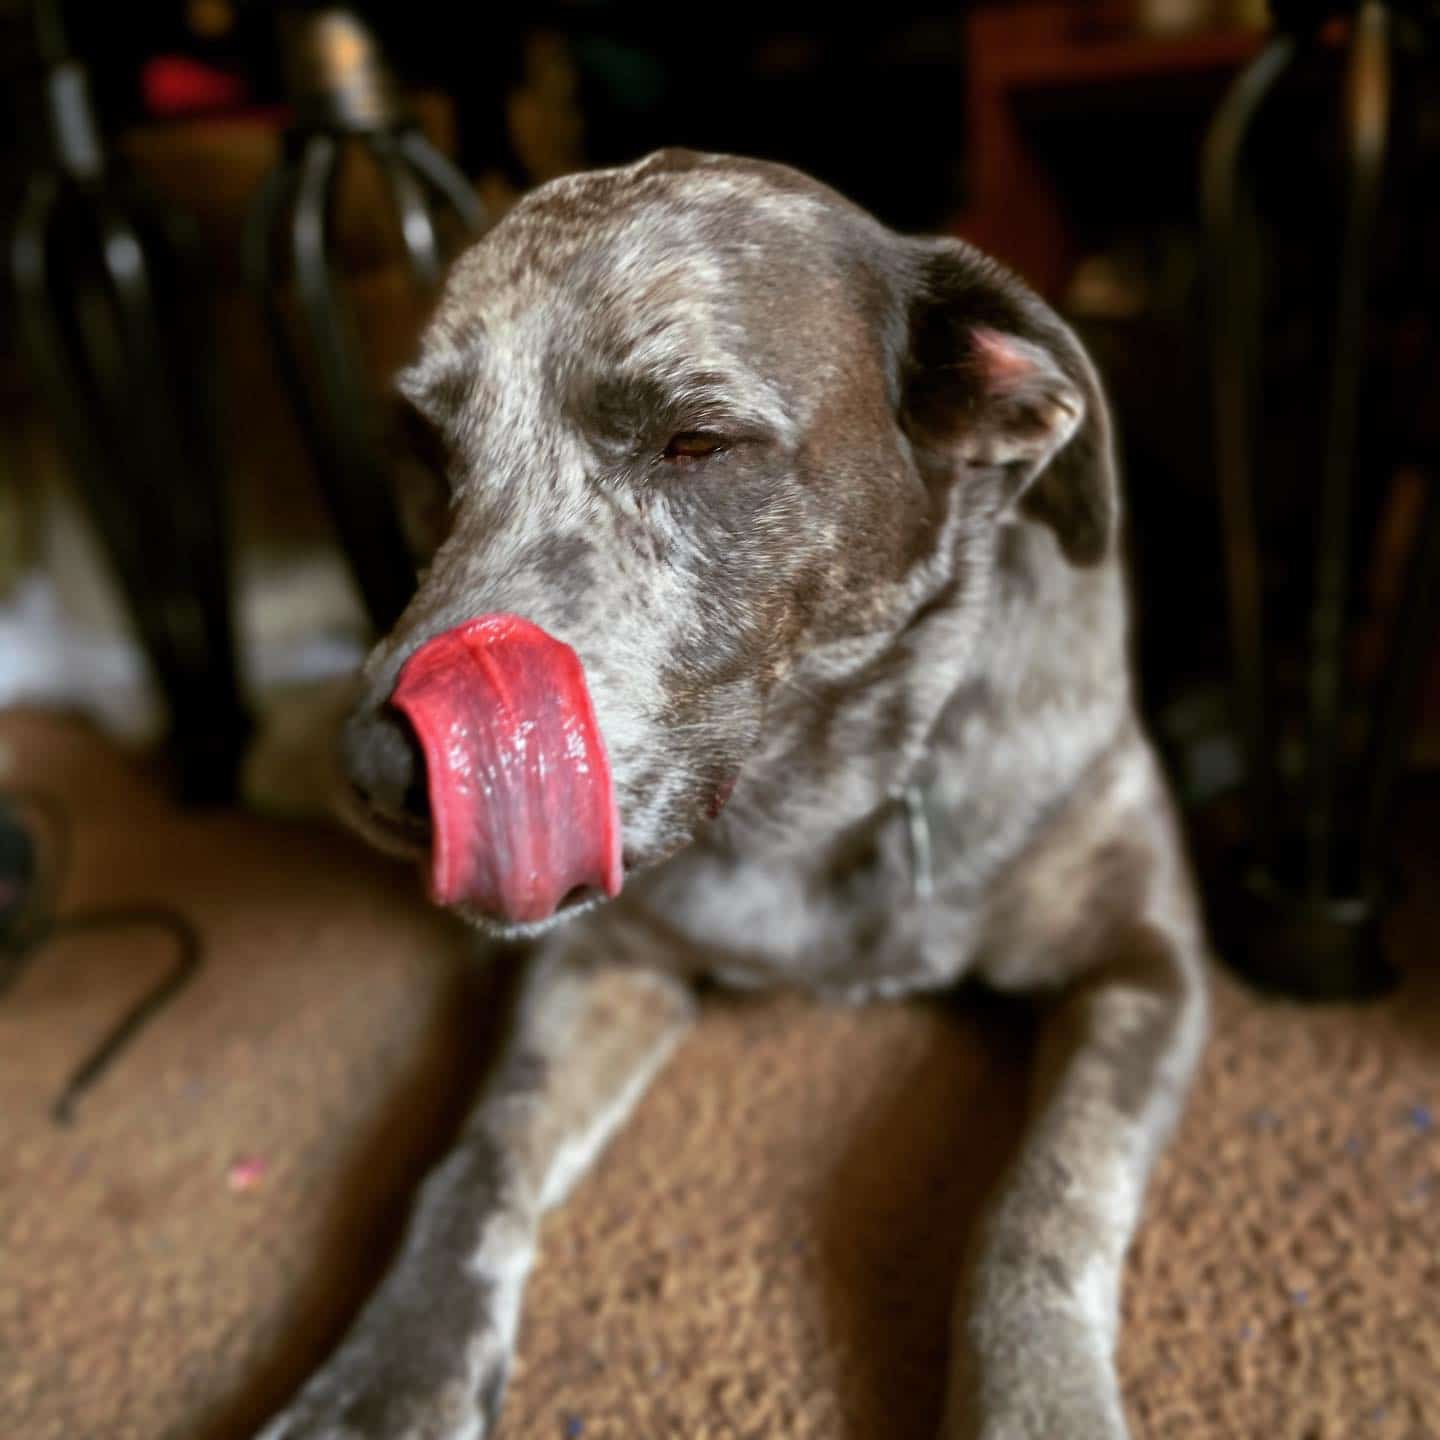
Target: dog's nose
(383,760)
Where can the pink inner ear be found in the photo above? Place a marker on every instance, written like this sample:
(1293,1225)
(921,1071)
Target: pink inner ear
(1006,361)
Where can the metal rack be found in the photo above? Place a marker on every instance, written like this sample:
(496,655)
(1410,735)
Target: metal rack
(346,107)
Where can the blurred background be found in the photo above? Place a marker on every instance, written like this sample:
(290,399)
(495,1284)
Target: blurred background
(225,221)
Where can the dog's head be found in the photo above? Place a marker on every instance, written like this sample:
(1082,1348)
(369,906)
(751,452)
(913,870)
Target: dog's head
(701,416)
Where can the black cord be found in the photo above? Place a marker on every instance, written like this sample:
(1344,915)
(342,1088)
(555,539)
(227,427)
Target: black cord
(37,923)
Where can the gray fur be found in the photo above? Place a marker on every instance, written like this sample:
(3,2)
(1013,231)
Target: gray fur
(899,570)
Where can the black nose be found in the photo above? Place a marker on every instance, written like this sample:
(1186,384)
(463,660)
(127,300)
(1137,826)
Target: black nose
(384,763)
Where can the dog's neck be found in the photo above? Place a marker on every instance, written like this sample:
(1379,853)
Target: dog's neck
(896,774)
(855,735)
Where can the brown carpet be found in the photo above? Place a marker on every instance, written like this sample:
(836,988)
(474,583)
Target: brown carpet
(767,1251)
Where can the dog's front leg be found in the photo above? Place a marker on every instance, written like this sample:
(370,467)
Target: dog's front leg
(1035,1327)
(428,1356)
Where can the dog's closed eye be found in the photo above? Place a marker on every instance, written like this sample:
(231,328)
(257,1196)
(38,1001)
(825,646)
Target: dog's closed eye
(692,445)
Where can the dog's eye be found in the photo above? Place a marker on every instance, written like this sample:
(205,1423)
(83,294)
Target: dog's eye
(692,445)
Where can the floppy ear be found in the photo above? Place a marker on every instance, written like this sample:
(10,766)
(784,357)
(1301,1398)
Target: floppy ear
(994,382)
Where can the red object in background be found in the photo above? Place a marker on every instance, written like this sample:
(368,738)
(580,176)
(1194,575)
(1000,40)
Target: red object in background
(175,85)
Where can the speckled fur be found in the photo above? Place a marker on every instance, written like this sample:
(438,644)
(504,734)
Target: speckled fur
(899,570)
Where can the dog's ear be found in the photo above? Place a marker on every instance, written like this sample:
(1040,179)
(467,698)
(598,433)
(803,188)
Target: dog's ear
(994,383)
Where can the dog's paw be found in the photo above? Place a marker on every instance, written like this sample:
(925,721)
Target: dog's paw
(381,1405)
(1058,1391)
(1093,1416)
(1059,1427)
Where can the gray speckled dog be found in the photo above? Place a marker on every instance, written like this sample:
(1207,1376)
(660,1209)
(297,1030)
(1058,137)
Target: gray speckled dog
(830,517)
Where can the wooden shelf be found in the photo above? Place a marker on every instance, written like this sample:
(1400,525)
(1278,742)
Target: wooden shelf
(1083,63)
(1026,58)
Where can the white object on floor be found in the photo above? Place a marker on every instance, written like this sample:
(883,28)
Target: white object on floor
(46,659)
(297,624)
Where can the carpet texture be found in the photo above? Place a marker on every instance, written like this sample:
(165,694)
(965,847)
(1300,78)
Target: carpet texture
(767,1250)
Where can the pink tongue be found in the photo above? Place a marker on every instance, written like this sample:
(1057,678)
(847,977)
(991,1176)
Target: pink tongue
(521,802)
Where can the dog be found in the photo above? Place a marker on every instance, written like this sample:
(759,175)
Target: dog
(811,532)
